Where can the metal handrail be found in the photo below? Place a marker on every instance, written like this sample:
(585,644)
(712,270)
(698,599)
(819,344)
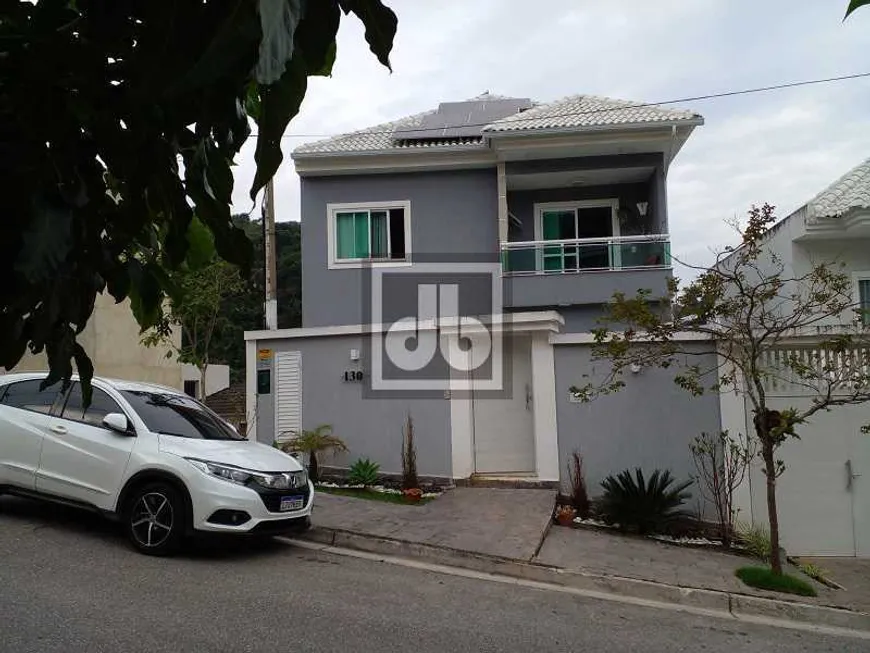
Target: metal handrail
(612,240)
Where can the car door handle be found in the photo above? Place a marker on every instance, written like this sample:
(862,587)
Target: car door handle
(57,428)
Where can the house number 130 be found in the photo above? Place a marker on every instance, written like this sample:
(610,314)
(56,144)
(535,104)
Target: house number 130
(353,375)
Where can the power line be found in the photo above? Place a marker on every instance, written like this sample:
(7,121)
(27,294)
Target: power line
(639,105)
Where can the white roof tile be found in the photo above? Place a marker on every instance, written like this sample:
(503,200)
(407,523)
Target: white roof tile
(579,111)
(851,191)
(588,111)
(378,138)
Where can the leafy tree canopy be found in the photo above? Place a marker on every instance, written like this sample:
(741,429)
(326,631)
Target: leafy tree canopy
(855,4)
(120,119)
(243,311)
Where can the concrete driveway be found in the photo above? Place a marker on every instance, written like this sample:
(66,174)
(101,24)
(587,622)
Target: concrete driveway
(508,523)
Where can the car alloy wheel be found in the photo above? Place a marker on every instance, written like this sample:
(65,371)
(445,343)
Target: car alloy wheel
(155,519)
(152,519)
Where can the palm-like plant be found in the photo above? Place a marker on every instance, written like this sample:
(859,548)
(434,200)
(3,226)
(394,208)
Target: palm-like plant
(643,505)
(320,440)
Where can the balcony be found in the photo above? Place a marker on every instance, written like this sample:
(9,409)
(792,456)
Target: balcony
(551,273)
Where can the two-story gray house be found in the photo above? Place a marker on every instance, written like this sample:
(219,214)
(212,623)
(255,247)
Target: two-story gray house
(562,204)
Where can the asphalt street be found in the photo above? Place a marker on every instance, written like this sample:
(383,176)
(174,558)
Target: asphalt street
(69,583)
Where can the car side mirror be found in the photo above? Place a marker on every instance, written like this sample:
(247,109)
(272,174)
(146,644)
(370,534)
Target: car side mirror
(117,422)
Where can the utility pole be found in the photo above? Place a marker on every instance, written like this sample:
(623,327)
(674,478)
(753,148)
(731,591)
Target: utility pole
(271,305)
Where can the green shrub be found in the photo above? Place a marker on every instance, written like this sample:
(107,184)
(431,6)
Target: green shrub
(755,540)
(763,578)
(363,472)
(813,571)
(320,440)
(640,505)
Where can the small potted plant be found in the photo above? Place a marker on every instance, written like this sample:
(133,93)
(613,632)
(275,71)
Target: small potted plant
(413,495)
(565,515)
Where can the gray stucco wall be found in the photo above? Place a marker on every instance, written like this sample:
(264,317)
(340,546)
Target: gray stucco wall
(371,428)
(648,424)
(583,319)
(452,212)
(545,291)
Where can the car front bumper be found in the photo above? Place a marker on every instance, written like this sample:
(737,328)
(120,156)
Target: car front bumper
(216,502)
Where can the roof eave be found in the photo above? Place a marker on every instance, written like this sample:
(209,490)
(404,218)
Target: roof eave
(396,151)
(650,124)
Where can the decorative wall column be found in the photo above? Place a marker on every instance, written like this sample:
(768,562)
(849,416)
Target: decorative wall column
(544,405)
(502,204)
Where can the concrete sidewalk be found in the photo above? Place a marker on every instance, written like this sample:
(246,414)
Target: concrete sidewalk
(853,574)
(507,533)
(494,522)
(610,554)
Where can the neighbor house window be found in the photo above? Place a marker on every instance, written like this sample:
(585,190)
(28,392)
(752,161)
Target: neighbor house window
(190,388)
(862,292)
(377,233)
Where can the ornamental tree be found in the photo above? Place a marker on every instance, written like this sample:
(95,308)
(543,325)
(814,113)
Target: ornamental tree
(200,291)
(120,118)
(746,306)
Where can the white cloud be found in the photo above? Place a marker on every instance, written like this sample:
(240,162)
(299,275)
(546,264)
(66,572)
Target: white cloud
(781,147)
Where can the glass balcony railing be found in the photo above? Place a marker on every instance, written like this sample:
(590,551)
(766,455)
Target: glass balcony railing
(585,254)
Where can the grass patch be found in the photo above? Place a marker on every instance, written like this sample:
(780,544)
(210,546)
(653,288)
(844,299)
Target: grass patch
(763,578)
(371,495)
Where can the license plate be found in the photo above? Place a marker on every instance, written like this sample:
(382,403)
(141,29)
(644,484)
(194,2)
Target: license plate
(292,503)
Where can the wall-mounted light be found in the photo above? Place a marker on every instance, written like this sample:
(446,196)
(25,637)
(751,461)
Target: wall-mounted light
(642,208)
(354,354)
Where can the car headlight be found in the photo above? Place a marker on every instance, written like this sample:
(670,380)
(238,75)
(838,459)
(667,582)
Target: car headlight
(275,481)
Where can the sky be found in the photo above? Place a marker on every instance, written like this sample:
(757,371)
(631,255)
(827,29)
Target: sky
(780,147)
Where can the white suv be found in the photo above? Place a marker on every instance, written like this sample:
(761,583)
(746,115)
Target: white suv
(158,461)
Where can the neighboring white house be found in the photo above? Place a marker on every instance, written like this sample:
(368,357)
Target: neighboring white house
(824,495)
(113,341)
(217,378)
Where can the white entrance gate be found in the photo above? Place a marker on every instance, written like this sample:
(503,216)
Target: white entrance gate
(823,497)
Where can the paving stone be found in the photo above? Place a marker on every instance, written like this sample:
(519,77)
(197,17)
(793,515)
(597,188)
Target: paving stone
(499,522)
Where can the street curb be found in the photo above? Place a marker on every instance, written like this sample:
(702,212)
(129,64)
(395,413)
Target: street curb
(739,605)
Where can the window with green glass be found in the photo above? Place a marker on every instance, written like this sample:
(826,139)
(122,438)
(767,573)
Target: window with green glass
(864,300)
(375,234)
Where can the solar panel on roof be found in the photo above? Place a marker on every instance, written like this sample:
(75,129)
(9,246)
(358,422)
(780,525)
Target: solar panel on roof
(463,119)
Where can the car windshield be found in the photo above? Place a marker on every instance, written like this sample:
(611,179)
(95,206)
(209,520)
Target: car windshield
(179,415)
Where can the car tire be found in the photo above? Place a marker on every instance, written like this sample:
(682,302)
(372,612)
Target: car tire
(155,518)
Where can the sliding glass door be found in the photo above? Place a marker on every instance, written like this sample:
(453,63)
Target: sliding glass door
(573,223)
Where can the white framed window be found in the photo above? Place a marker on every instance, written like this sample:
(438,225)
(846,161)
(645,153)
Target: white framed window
(862,295)
(369,233)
